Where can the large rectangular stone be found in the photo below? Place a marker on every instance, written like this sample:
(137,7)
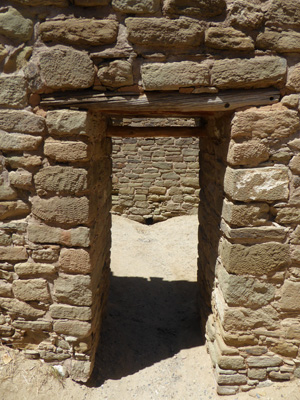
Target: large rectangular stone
(20,308)
(283,13)
(257,259)
(228,39)
(75,261)
(17,141)
(13,91)
(21,122)
(195,9)
(75,328)
(258,72)
(171,76)
(73,289)
(251,214)
(257,184)
(15,253)
(290,296)
(31,290)
(66,151)
(66,122)
(13,209)
(282,42)
(287,215)
(136,7)
(64,311)
(33,325)
(264,361)
(34,269)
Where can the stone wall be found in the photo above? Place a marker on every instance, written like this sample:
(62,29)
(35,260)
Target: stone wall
(55,186)
(155,178)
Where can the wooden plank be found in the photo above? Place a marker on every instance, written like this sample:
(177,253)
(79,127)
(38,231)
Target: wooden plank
(163,103)
(128,131)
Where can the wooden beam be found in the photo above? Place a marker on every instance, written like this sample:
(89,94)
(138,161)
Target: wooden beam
(162,103)
(129,131)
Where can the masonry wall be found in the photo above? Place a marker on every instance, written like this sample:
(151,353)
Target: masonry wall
(55,186)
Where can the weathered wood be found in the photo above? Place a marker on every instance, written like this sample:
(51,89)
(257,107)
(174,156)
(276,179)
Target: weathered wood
(163,103)
(128,131)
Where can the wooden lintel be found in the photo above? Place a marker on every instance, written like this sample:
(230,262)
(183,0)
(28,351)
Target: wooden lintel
(167,131)
(163,103)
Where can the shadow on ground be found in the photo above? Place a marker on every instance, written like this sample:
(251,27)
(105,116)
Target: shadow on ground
(147,321)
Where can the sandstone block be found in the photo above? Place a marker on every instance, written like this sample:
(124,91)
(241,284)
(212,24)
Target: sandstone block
(13,91)
(136,7)
(66,210)
(40,233)
(32,269)
(64,311)
(290,296)
(16,253)
(164,32)
(75,261)
(293,79)
(266,122)
(264,361)
(171,76)
(81,370)
(61,180)
(198,8)
(257,184)
(228,39)
(256,72)
(21,122)
(295,236)
(67,122)
(249,153)
(21,179)
(91,3)
(75,328)
(6,191)
(48,254)
(14,26)
(24,162)
(285,349)
(287,215)
(31,289)
(246,14)
(284,12)
(65,68)
(235,379)
(115,74)
(34,3)
(5,289)
(17,307)
(13,209)
(73,289)
(282,42)
(257,373)
(295,164)
(66,151)
(17,142)
(3,52)
(257,259)
(80,31)
(33,325)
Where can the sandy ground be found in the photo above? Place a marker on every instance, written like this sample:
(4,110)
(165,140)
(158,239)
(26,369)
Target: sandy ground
(151,347)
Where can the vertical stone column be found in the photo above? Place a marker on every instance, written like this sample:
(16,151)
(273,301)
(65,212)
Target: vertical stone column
(251,333)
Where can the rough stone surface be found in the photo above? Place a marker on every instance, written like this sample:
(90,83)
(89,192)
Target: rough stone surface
(264,184)
(164,32)
(66,151)
(91,3)
(115,74)
(258,259)
(13,91)
(290,296)
(77,237)
(136,6)
(87,32)
(228,39)
(245,214)
(61,180)
(282,42)
(195,8)
(73,289)
(14,26)
(250,153)
(246,14)
(21,179)
(171,76)
(31,289)
(65,68)
(257,72)
(67,210)
(66,122)
(16,141)
(75,328)
(81,370)
(5,289)
(64,311)
(13,209)
(34,3)
(33,325)
(295,164)
(32,269)
(288,215)
(284,13)
(17,307)
(75,261)
(21,122)
(293,79)
(264,361)
(16,253)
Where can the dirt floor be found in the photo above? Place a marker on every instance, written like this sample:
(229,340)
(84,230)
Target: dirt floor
(151,347)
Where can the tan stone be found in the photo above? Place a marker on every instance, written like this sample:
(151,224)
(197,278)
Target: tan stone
(257,373)
(264,361)
(295,236)
(48,254)
(5,289)
(33,325)
(24,162)
(17,60)
(13,91)
(228,39)
(287,215)
(6,191)
(283,12)
(257,184)
(61,180)
(171,76)
(17,307)
(31,289)
(290,296)
(21,178)
(75,261)
(266,122)
(164,32)
(80,31)
(65,311)
(285,349)
(13,209)
(73,289)
(115,74)
(235,379)
(66,68)
(21,122)
(34,3)
(66,151)
(3,52)
(32,269)
(291,100)
(136,6)
(249,153)
(66,210)
(17,141)
(258,72)
(293,78)
(282,42)
(67,122)
(295,254)
(40,233)
(75,328)
(16,253)
(245,214)
(91,3)
(14,26)
(244,291)
(295,164)
(257,259)
(246,14)
(195,8)
(81,370)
